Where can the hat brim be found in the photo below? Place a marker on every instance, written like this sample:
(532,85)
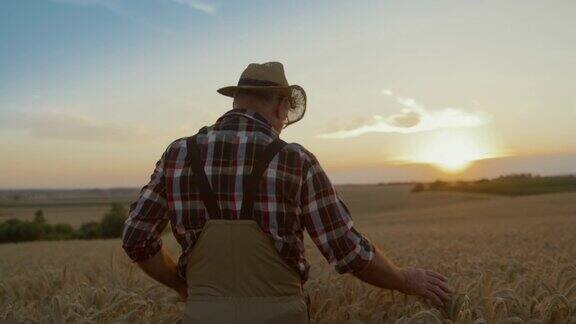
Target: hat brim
(230,91)
(295,92)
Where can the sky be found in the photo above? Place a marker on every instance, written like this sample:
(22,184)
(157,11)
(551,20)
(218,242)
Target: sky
(93,91)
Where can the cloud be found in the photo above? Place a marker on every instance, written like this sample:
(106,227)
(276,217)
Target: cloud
(413,118)
(387,92)
(406,119)
(66,126)
(117,7)
(199,5)
(108,4)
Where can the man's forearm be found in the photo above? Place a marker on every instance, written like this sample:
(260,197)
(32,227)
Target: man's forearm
(382,272)
(163,269)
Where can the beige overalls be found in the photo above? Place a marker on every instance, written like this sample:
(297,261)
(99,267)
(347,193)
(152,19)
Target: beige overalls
(234,273)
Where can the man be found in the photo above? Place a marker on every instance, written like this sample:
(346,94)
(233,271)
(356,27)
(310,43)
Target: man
(238,200)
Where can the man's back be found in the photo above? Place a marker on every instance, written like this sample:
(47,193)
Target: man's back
(294,194)
(211,184)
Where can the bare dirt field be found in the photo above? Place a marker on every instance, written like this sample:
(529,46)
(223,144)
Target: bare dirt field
(509,259)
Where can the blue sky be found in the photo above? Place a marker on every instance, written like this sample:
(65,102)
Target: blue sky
(92,91)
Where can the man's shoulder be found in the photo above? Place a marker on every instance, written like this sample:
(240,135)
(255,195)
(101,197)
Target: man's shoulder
(305,154)
(172,151)
(296,147)
(180,143)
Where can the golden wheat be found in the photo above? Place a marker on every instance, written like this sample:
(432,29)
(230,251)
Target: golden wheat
(510,260)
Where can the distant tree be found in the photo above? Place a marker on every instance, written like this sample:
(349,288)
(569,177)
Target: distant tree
(8,230)
(58,232)
(518,176)
(419,187)
(15,230)
(112,223)
(438,184)
(90,230)
(39,217)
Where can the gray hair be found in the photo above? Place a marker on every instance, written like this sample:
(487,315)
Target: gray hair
(262,96)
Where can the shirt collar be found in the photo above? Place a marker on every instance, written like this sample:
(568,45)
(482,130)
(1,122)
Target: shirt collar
(252,115)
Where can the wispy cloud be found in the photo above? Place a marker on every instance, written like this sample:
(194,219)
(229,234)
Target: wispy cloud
(53,124)
(199,5)
(387,92)
(59,125)
(117,7)
(108,4)
(413,118)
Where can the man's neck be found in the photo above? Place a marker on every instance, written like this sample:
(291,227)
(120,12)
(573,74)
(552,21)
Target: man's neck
(264,112)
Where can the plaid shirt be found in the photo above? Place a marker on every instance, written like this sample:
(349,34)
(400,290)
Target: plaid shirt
(295,195)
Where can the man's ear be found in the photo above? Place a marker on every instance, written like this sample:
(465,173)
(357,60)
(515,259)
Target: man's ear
(280,110)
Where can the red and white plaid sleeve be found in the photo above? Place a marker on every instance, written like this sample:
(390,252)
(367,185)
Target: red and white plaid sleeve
(148,217)
(329,223)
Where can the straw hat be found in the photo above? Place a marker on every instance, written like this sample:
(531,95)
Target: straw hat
(269,77)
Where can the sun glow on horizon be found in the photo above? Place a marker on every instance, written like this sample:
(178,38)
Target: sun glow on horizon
(451,152)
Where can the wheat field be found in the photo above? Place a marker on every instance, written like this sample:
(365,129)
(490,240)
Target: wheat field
(509,260)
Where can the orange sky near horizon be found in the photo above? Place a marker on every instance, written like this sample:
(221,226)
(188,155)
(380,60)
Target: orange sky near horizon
(90,95)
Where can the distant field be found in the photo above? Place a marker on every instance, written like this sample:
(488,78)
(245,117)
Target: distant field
(510,260)
(66,202)
(75,209)
(521,185)
(74,214)
(363,200)
(72,207)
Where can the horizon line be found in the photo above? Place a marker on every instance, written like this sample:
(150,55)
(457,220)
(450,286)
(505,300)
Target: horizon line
(380,183)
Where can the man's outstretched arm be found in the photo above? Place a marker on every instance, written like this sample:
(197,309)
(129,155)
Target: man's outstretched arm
(382,272)
(329,223)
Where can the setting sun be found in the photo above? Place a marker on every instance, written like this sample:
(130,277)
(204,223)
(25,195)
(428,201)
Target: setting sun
(452,152)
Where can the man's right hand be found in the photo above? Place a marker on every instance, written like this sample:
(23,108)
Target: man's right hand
(425,283)
(383,273)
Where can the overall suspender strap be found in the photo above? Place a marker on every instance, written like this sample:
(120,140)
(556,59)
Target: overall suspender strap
(251,183)
(206,193)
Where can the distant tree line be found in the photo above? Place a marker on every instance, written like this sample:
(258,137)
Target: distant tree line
(110,226)
(517,184)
